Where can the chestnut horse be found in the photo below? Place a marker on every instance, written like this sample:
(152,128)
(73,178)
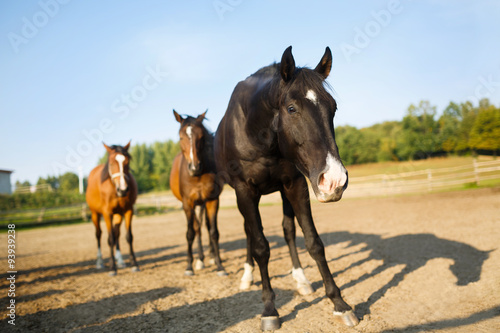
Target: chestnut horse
(278,130)
(111,193)
(193,181)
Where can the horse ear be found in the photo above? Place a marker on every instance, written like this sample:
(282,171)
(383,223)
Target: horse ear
(201,116)
(127,146)
(178,117)
(325,64)
(107,148)
(287,66)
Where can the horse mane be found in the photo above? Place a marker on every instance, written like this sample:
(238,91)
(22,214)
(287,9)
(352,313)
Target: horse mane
(105,170)
(308,78)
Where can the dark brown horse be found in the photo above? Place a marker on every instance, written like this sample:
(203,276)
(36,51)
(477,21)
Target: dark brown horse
(111,193)
(193,181)
(278,130)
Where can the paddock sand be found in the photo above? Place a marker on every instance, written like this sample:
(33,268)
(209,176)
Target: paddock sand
(427,263)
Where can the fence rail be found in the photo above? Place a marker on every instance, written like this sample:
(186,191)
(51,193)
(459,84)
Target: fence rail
(424,180)
(421,181)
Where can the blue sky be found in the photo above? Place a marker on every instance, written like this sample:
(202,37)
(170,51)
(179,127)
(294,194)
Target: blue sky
(74,73)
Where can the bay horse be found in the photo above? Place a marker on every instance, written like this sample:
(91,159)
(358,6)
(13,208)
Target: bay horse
(193,182)
(278,130)
(111,193)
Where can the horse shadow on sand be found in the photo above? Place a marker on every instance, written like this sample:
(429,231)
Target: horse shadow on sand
(82,268)
(411,250)
(90,314)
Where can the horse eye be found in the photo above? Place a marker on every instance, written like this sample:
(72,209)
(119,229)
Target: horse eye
(291,109)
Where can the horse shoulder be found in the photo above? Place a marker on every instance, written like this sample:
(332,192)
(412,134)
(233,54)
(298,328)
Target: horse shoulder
(175,176)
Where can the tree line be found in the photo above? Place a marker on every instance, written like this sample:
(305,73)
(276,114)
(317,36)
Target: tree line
(462,128)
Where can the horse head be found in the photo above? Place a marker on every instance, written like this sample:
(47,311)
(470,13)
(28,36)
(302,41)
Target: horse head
(118,168)
(304,125)
(192,138)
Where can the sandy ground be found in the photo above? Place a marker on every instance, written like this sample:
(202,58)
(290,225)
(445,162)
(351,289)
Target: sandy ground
(427,263)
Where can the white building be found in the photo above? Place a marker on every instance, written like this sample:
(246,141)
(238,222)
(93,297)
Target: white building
(5,185)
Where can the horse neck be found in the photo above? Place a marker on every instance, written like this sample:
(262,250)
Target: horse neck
(207,155)
(263,106)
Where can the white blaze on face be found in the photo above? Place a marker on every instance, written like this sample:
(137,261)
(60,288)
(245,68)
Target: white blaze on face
(311,95)
(120,159)
(189,133)
(334,176)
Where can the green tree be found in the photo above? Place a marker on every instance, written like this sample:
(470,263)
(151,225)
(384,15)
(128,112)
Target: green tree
(419,137)
(485,133)
(53,181)
(449,124)
(141,166)
(68,182)
(163,156)
(348,140)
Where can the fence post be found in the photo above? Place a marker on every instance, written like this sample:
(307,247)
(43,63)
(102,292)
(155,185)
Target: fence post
(429,180)
(84,212)
(476,171)
(42,213)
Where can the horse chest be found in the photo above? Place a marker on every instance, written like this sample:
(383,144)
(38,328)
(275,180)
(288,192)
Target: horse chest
(202,189)
(268,175)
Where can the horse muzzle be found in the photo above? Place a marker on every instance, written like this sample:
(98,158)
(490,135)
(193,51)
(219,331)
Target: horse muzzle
(122,193)
(194,170)
(331,185)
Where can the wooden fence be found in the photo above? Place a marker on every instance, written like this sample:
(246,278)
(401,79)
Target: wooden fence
(474,174)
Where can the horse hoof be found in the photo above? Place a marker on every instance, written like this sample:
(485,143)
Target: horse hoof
(245,285)
(199,265)
(211,261)
(347,318)
(188,272)
(270,323)
(136,269)
(112,273)
(305,289)
(221,273)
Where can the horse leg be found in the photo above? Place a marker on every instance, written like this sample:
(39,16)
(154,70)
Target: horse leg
(248,204)
(303,285)
(190,234)
(298,195)
(117,222)
(198,220)
(128,225)
(111,241)
(212,208)
(247,278)
(96,217)
(210,242)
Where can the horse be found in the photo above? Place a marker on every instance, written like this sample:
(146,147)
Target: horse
(278,130)
(193,182)
(111,193)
